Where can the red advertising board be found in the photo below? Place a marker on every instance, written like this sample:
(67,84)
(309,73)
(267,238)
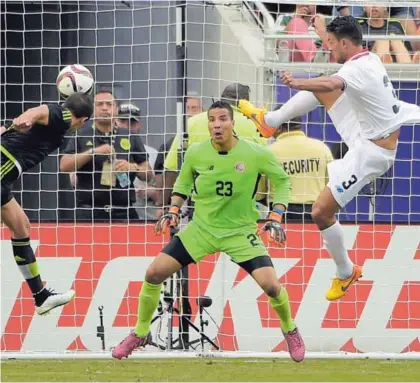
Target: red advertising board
(106,265)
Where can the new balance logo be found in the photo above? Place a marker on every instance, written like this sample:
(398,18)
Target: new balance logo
(19,259)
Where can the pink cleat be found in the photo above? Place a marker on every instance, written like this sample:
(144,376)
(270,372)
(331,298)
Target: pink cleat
(131,342)
(295,345)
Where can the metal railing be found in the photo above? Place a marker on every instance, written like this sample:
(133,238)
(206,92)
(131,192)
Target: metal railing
(388,3)
(396,71)
(286,36)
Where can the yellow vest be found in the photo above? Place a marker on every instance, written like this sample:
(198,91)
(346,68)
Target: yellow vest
(198,131)
(305,160)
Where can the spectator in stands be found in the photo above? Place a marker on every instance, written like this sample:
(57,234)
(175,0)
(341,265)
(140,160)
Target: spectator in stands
(193,104)
(299,24)
(305,160)
(355,11)
(129,117)
(418,19)
(416,56)
(198,131)
(405,15)
(106,159)
(375,23)
(378,24)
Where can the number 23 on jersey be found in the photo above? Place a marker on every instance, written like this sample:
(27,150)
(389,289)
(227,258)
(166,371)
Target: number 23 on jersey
(224,188)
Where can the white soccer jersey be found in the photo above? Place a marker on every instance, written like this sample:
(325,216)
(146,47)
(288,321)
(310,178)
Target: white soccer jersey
(372,97)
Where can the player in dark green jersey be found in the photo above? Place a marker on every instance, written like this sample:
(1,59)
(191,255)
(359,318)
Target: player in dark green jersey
(33,136)
(222,173)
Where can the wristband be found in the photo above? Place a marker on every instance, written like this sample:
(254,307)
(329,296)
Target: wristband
(278,211)
(276,215)
(174,209)
(178,206)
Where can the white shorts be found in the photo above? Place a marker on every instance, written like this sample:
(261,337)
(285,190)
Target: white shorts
(345,121)
(363,163)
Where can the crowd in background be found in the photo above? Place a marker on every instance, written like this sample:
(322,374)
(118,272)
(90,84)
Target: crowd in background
(374,20)
(116,176)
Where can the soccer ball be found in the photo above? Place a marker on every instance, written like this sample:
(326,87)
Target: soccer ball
(74,78)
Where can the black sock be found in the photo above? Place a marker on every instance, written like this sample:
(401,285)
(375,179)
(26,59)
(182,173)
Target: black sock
(26,261)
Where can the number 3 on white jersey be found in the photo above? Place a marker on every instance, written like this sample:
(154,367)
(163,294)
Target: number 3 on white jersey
(388,85)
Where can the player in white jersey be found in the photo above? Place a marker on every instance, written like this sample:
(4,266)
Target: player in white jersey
(363,106)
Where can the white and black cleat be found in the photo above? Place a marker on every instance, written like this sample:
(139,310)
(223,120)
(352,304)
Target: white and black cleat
(55,300)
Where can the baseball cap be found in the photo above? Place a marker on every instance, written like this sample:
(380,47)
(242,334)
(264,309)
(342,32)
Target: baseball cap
(236,91)
(129,111)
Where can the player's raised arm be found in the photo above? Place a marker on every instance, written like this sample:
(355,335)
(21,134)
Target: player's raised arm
(27,119)
(318,84)
(75,111)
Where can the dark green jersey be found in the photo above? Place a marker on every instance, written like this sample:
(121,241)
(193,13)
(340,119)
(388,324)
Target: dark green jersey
(30,148)
(224,184)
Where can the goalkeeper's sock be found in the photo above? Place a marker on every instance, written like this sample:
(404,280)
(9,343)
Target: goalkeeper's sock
(26,261)
(301,103)
(282,307)
(334,242)
(148,302)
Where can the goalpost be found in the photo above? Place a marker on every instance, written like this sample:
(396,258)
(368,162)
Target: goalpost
(135,48)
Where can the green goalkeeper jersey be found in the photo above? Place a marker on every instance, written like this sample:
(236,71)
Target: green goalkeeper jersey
(224,184)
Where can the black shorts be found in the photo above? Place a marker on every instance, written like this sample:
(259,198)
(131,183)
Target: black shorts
(176,250)
(9,173)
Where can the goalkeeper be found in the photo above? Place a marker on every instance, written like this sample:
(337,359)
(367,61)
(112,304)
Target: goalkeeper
(223,174)
(197,130)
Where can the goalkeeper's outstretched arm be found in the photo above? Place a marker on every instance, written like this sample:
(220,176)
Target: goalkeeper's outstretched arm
(279,179)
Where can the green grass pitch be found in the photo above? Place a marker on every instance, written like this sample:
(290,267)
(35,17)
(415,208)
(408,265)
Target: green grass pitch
(210,370)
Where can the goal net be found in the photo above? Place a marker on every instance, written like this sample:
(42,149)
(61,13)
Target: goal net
(158,55)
